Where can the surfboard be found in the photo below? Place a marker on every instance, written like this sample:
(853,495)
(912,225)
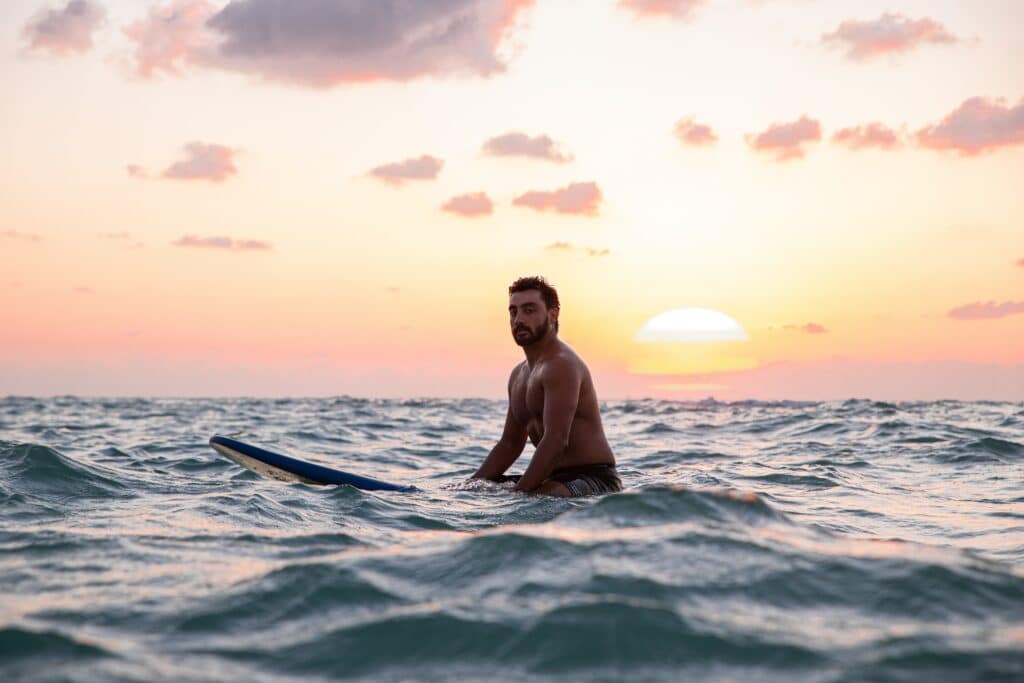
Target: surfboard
(286,468)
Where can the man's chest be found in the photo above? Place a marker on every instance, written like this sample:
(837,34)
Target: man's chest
(528,396)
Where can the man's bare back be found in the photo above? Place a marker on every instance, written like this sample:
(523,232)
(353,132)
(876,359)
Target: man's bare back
(552,402)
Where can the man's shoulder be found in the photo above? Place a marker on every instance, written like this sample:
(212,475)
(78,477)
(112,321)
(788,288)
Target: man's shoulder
(564,363)
(516,371)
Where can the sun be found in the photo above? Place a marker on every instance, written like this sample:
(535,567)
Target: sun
(690,341)
(691,325)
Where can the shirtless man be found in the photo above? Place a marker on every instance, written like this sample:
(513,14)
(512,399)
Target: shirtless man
(551,399)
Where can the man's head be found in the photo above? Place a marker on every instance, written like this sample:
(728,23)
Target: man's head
(532,309)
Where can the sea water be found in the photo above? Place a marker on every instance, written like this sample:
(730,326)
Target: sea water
(836,541)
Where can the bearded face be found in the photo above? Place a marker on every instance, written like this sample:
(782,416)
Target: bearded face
(524,335)
(529,319)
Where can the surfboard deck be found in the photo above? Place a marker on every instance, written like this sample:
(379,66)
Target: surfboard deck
(286,468)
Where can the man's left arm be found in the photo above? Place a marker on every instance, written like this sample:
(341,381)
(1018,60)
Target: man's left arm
(561,382)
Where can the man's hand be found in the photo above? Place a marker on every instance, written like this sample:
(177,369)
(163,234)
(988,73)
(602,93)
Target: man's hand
(509,447)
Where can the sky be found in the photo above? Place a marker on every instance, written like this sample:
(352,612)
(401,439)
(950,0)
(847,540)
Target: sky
(299,198)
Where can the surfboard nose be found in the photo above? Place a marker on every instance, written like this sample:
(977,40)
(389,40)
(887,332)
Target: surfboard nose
(217,444)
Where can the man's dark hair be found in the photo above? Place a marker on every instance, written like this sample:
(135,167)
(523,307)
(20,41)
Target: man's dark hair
(547,292)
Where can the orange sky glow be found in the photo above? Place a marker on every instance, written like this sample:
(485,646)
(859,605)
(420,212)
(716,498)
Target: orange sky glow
(289,198)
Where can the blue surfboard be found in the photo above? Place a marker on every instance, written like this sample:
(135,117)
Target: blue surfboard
(285,468)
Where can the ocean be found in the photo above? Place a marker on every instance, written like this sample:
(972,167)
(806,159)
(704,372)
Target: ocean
(754,541)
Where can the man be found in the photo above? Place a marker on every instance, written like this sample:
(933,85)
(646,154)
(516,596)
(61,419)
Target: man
(551,399)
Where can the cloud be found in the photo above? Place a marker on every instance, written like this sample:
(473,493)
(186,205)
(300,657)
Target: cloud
(570,247)
(67,30)
(136,171)
(203,162)
(318,43)
(786,140)
(122,237)
(222,243)
(809,328)
(522,145)
(694,134)
(989,310)
(15,235)
(576,198)
(978,125)
(679,9)
(1020,263)
(470,205)
(173,35)
(876,135)
(891,33)
(425,167)
(83,290)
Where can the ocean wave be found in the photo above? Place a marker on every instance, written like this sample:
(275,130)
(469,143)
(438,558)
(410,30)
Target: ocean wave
(776,541)
(983,450)
(666,504)
(20,645)
(45,472)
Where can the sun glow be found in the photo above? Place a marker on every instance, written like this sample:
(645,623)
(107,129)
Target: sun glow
(691,325)
(689,341)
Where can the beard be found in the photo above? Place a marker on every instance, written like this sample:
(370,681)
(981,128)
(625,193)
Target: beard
(535,333)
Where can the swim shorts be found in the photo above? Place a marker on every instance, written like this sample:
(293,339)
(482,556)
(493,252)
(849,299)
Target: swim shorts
(588,480)
(581,480)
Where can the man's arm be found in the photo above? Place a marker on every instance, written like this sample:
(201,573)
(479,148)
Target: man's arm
(509,446)
(561,382)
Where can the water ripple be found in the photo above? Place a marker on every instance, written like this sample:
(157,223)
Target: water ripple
(778,541)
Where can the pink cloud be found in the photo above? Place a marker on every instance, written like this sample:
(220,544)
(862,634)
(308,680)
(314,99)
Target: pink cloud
(470,205)
(123,238)
(694,134)
(322,44)
(15,235)
(222,243)
(786,141)
(891,33)
(64,31)
(570,247)
(136,171)
(576,198)
(679,9)
(173,35)
(203,162)
(809,328)
(978,125)
(1020,263)
(522,145)
(989,310)
(425,167)
(876,135)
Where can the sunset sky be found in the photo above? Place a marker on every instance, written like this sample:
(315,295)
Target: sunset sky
(292,198)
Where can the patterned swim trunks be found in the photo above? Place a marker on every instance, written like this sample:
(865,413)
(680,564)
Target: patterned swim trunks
(588,480)
(581,480)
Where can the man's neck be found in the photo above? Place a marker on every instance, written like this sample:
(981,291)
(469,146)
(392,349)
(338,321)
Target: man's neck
(541,348)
